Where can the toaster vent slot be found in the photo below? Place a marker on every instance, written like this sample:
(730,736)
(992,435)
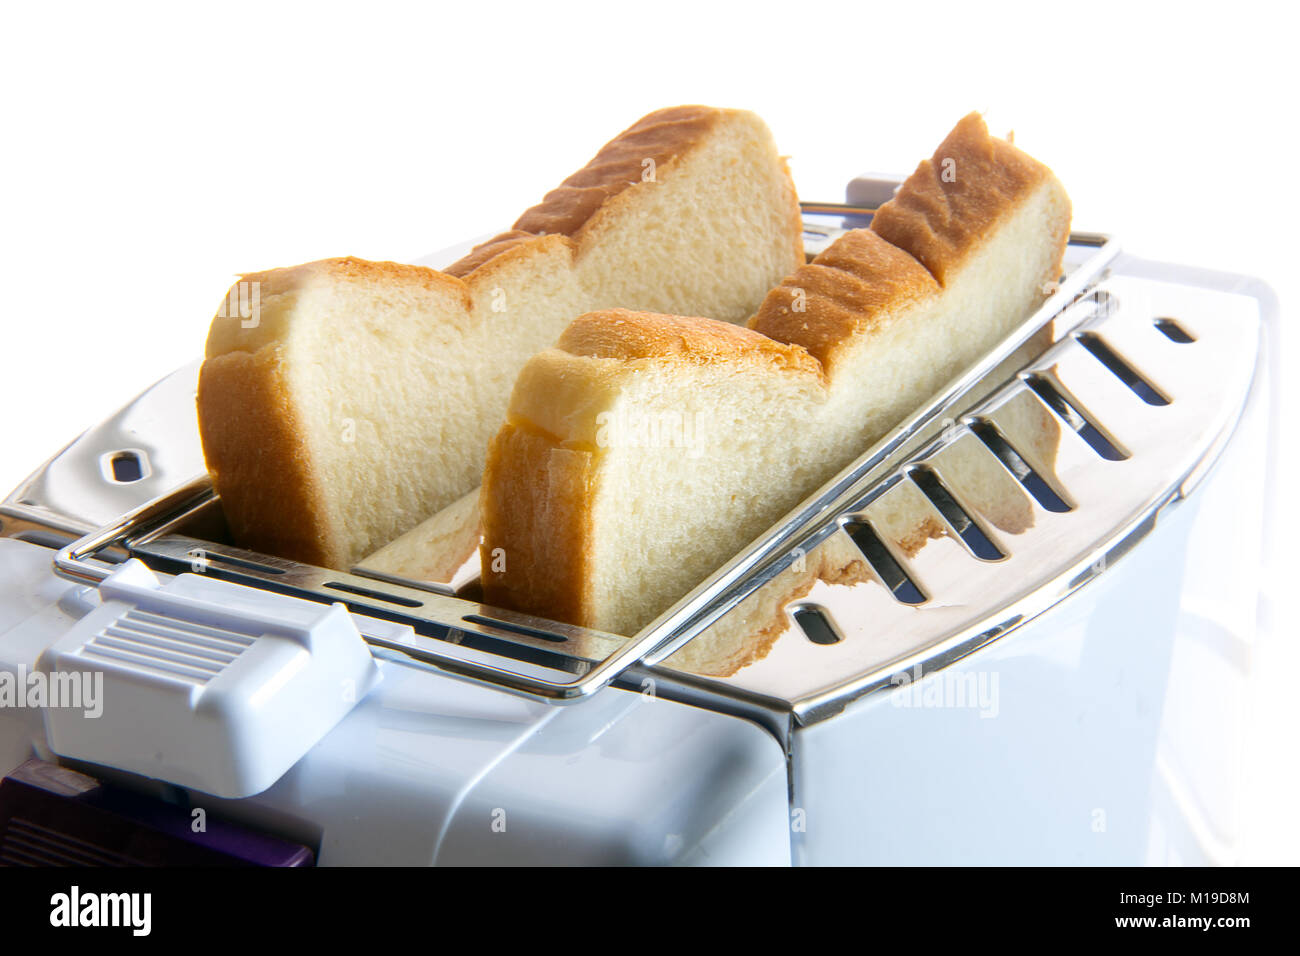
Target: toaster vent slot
(203,557)
(126,467)
(816,625)
(1032,481)
(883,562)
(516,628)
(168,648)
(371,593)
(971,533)
(1120,368)
(1173,331)
(1071,414)
(29,844)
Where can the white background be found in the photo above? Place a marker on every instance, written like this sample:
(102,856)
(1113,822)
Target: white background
(152,153)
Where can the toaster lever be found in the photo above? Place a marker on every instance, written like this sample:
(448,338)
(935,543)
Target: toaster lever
(206,684)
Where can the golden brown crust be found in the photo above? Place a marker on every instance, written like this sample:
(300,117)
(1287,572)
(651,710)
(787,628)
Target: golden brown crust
(661,138)
(538,483)
(919,535)
(941,212)
(630,336)
(483,252)
(536,534)
(850,289)
(349,267)
(229,333)
(952,200)
(249,430)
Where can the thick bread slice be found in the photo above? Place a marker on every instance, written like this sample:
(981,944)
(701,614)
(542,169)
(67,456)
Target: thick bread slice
(967,249)
(608,533)
(597,467)
(362,397)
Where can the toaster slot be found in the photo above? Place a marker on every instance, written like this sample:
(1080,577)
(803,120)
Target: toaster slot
(1174,331)
(1078,420)
(202,557)
(958,518)
(816,624)
(912,546)
(1034,482)
(395,599)
(1103,398)
(984,488)
(882,561)
(1121,369)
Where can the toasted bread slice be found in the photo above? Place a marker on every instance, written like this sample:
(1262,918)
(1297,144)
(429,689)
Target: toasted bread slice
(643,451)
(361,397)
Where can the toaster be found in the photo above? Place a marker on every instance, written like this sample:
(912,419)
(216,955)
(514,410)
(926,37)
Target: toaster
(1064,686)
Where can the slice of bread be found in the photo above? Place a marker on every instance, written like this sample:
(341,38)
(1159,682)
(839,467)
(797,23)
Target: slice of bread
(633,456)
(643,451)
(441,549)
(361,397)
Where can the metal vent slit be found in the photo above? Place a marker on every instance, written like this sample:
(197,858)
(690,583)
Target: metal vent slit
(1121,369)
(1031,480)
(1070,412)
(202,556)
(883,562)
(371,593)
(515,628)
(126,467)
(1173,331)
(957,517)
(816,625)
